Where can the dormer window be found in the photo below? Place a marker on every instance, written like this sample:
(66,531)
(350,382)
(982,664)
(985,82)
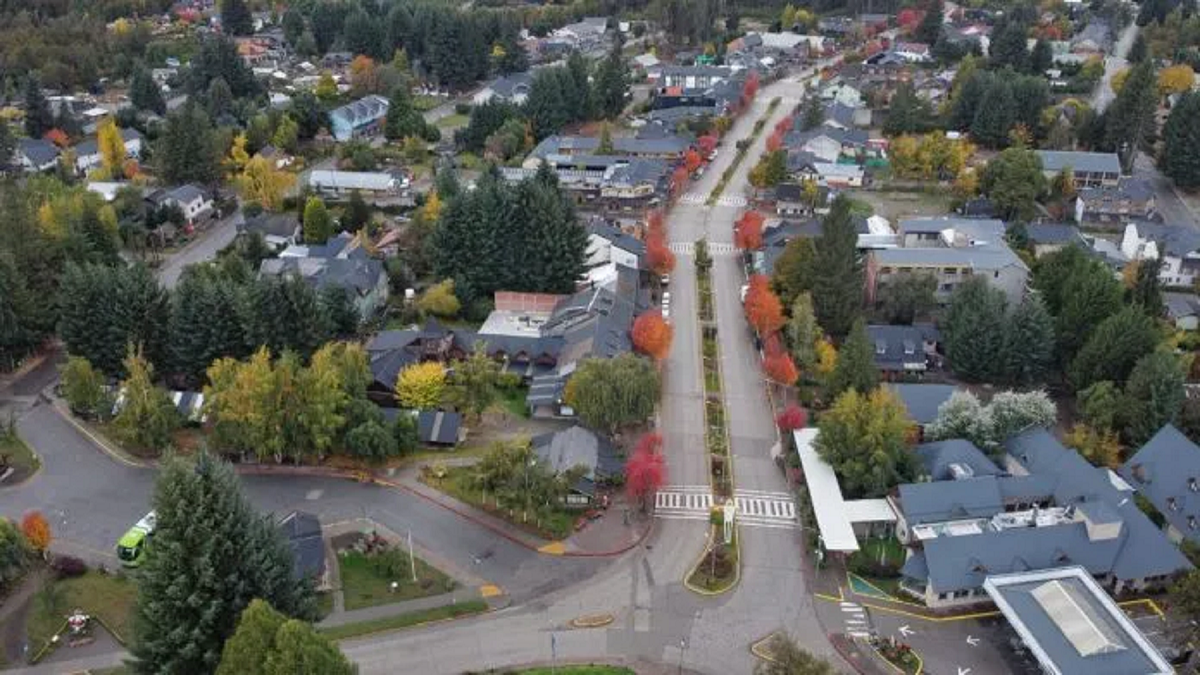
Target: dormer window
(910,347)
(1192,522)
(1172,504)
(880,347)
(1193,484)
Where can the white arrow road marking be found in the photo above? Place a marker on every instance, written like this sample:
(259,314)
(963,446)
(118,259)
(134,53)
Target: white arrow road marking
(905,630)
(972,640)
(963,671)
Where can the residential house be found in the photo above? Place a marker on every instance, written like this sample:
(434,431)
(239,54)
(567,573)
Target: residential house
(921,401)
(1178,246)
(1043,507)
(585,35)
(1183,309)
(513,88)
(37,154)
(302,532)
(953,250)
(844,93)
(690,77)
(842,116)
(579,448)
(440,428)
(340,262)
(1166,471)
(604,181)
(832,175)
(334,183)
(278,230)
(1130,198)
(87,152)
(276,156)
(790,200)
(912,52)
(1048,238)
(607,243)
(364,117)
(873,232)
(1095,38)
(902,351)
(194,202)
(1090,169)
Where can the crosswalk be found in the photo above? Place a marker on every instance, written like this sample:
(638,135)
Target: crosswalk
(855,619)
(736,201)
(755,508)
(693,198)
(714,248)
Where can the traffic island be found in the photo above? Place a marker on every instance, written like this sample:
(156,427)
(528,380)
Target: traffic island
(719,569)
(743,147)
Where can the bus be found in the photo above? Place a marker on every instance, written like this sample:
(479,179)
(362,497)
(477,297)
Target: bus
(131,548)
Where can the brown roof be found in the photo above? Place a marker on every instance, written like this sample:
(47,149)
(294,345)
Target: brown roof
(526,302)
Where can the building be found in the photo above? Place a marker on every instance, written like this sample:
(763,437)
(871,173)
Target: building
(691,77)
(513,88)
(832,175)
(278,230)
(1091,169)
(583,450)
(440,428)
(912,52)
(302,532)
(1071,626)
(342,183)
(87,152)
(922,401)
(1166,471)
(607,243)
(194,202)
(37,154)
(1178,246)
(1183,309)
(953,250)
(341,262)
(364,117)
(1131,198)
(1047,238)
(1042,507)
(647,145)
(905,350)
(606,182)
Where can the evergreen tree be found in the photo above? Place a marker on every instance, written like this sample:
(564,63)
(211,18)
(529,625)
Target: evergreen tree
(1013,180)
(965,104)
(1147,290)
(205,322)
(293,25)
(1130,118)
(1181,136)
(187,149)
(144,93)
(1138,51)
(285,314)
(485,120)
(903,299)
(218,99)
(1029,343)
(403,120)
(105,309)
(357,213)
(1041,58)
(974,330)
(930,28)
(308,113)
(908,113)
(547,109)
(235,17)
(343,315)
(1112,350)
(8,145)
(364,35)
(1088,297)
(995,116)
(1008,47)
(210,551)
(837,279)
(18,333)
(318,224)
(38,118)
(612,84)
(1031,96)
(326,21)
(1154,395)
(579,93)
(814,113)
(218,58)
(855,367)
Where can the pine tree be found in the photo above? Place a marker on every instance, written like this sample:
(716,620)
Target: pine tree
(105,309)
(205,322)
(581,99)
(1138,51)
(235,17)
(1130,118)
(547,109)
(293,25)
(285,314)
(1147,290)
(908,113)
(1008,47)
(1041,58)
(612,84)
(364,35)
(1029,343)
(187,150)
(1113,349)
(974,330)
(814,113)
(1181,135)
(930,28)
(210,550)
(318,224)
(995,116)
(38,118)
(837,279)
(1088,297)
(855,367)
(1154,395)
(144,94)
(343,315)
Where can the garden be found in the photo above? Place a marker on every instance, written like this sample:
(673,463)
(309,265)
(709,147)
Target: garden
(105,599)
(375,572)
(899,655)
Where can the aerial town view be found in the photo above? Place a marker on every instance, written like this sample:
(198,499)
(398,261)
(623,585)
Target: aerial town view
(599,337)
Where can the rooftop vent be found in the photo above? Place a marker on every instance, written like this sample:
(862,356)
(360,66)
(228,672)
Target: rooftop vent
(961,471)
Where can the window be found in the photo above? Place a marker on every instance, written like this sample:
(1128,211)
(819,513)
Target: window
(1191,522)
(1193,484)
(996,274)
(1172,504)
(885,270)
(910,347)
(880,347)
(949,270)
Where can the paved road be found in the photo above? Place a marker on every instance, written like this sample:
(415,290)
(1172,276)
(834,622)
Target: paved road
(203,248)
(1112,65)
(1166,200)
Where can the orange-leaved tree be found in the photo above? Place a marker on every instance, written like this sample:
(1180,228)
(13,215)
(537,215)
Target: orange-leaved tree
(707,143)
(763,309)
(36,530)
(777,363)
(658,256)
(679,180)
(655,222)
(691,161)
(774,141)
(748,231)
(652,335)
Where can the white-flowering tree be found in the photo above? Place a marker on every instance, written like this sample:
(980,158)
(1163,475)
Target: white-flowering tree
(987,426)
(1013,412)
(962,416)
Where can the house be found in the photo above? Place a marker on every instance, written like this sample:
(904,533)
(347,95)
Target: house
(440,428)
(341,183)
(342,262)
(1048,238)
(829,143)
(842,116)
(1095,38)
(903,350)
(191,200)
(844,93)
(87,152)
(607,182)
(953,250)
(279,230)
(1166,471)
(364,117)
(833,175)
(912,52)
(579,448)
(302,532)
(922,402)
(37,154)
(1130,198)
(607,243)
(1090,169)
(512,88)
(690,77)
(1042,507)
(1183,309)
(648,144)
(790,200)
(1178,246)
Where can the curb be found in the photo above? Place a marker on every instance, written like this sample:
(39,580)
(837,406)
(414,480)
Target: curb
(737,570)
(592,621)
(99,441)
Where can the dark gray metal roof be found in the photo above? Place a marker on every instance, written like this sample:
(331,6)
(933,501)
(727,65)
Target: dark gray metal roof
(1090,162)
(1164,471)
(302,530)
(923,400)
(274,224)
(438,427)
(938,457)
(1174,240)
(1053,233)
(38,151)
(363,111)
(950,500)
(901,345)
(577,446)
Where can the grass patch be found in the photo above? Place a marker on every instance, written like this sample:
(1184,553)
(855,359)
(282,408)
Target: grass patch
(425,102)
(105,597)
(459,483)
(578,670)
(442,613)
(718,569)
(19,456)
(324,604)
(455,120)
(366,580)
(513,400)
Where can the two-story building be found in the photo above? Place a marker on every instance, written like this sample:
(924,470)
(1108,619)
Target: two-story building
(1090,169)
(342,262)
(362,118)
(1129,199)
(194,202)
(87,153)
(1177,246)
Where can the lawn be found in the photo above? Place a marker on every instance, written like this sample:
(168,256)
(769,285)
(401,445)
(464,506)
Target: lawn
(459,483)
(451,121)
(425,102)
(107,598)
(513,400)
(366,581)
(444,612)
(19,456)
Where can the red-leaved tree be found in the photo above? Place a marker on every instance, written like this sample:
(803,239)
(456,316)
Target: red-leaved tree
(781,368)
(655,222)
(658,256)
(908,19)
(652,335)
(785,124)
(763,309)
(646,469)
(679,180)
(793,417)
(707,143)
(691,161)
(748,231)
(751,87)
(774,141)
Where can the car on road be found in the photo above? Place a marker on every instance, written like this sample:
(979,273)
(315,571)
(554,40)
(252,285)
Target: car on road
(131,547)
(665,280)
(666,304)
(745,288)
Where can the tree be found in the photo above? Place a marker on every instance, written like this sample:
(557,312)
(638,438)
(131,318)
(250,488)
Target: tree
(1008,45)
(439,300)
(803,333)
(36,530)
(403,119)
(268,642)
(421,386)
(14,554)
(646,469)
(651,334)
(38,118)
(793,417)
(763,310)
(1130,118)
(1014,180)
(907,113)
(147,416)
(210,550)
(855,367)
(608,394)
(263,183)
(474,383)
(105,309)
(837,271)
(778,364)
(930,28)
(659,257)
(235,17)
(793,272)
(1080,291)
(187,149)
(546,106)
(1028,343)
(144,93)
(293,25)
(1101,405)
(904,298)
(1154,395)
(318,224)
(112,149)
(1113,349)
(1182,131)
(1013,412)
(1100,447)
(83,387)
(962,416)
(287,134)
(326,88)
(748,231)
(1041,58)
(813,115)
(995,116)
(863,437)
(1175,79)
(339,309)
(974,330)
(787,658)
(612,84)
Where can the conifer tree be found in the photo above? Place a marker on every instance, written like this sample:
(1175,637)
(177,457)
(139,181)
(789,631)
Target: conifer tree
(855,367)
(837,279)
(1029,343)
(235,17)
(144,94)
(1181,136)
(38,118)
(974,330)
(1113,348)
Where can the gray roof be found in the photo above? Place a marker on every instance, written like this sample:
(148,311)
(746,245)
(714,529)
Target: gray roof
(576,446)
(1174,240)
(438,427)
(185,193)
(363,111)
(923,400)
(939,457)
(513,84)
(617,236)
(901,345)
(1053,233)
(974,257)
(1164,471)
(1179,305)
(38,150)
(1090,162)
(622,145)
(950,500)
(272,224)
(797,139)
(358,274)
(1133,189)
(302,531)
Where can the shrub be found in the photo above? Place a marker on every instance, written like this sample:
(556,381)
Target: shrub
(462,108)
(66,566)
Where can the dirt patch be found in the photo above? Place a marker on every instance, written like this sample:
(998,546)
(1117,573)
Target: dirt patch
(896,205)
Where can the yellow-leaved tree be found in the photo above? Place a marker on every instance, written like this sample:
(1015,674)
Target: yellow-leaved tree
(262,182)
(112,149)
(421,385)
